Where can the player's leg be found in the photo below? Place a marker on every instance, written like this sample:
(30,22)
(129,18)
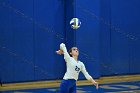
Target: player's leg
(73,89)
(64,86)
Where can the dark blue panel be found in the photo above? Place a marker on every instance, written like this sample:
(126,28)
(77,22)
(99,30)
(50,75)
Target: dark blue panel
(49,33)
(134,31)
(6,39)
(119,43)
(22,27)
(119,37)
(21,40)
(105,37)
(87,36)
(134,63)
(69,14)
(125,19)
(59,37)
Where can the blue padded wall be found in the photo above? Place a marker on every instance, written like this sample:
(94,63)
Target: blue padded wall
(6,40)
(119,49)
(17,41)
(49,33)
(22,28)
(31,31)
(30,34)
(125,17)
(105,37)
(87,36)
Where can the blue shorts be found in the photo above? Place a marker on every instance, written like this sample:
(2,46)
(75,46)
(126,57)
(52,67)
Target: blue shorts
(68,86)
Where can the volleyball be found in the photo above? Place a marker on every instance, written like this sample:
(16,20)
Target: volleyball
(75,23)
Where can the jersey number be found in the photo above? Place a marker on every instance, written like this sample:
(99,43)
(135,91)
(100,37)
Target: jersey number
(77,69)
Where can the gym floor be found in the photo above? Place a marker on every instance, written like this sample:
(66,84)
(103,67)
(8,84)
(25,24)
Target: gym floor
(116,84)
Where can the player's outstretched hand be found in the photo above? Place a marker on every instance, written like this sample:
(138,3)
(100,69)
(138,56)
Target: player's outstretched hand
(59,52)
(96,84)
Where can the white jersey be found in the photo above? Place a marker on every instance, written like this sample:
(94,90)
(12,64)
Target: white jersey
(73,66)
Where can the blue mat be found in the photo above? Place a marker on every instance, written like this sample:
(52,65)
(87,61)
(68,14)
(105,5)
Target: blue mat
(126,87)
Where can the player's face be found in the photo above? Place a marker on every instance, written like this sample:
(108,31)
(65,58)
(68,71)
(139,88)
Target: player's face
(75,51)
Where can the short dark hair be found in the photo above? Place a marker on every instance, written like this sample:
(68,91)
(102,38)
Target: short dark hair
(70,51)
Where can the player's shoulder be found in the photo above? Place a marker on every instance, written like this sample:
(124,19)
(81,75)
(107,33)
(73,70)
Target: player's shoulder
(81,62)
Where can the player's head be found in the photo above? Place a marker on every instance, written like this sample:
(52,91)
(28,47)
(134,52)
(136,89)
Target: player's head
(74,51)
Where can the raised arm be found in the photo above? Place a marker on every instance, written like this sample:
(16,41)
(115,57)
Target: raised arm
(63,50)
(88,77)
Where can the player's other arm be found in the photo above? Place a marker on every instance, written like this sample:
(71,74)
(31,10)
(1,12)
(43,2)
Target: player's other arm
(88,77)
